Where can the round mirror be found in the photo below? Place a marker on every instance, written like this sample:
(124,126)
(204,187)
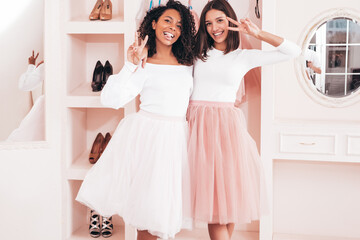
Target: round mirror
(332,57)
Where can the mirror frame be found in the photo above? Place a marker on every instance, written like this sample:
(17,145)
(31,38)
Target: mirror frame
(304,40)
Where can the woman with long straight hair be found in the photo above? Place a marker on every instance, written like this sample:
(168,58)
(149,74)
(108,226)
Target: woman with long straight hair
(225,165)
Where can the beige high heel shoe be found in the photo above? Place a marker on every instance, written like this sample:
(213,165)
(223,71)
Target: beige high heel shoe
(106,11)
(96,148)
(95,13)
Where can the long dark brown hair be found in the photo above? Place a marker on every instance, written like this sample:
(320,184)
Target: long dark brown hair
(183,47)
(203,41)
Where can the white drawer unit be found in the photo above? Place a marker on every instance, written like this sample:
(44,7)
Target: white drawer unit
(353,145)
(302,143)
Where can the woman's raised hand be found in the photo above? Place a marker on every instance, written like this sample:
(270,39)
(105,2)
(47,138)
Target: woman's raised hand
(32,58)
(137,52)
(245,26)
(40,63)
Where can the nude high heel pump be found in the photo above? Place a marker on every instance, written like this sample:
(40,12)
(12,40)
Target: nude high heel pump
(96,148)
(95,13)
(105,142)
(106,11)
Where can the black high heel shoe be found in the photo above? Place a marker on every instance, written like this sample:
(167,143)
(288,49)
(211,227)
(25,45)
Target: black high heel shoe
(108,70)
(96,83)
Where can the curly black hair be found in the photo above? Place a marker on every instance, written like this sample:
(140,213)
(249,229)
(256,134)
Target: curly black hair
(182,48)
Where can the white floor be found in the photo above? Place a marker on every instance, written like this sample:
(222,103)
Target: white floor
(202,234)
(280,236)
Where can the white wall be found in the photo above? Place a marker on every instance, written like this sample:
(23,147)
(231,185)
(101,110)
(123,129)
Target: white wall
(291,18)
(30,181)
(317,198)
(18,37)
(310,197)
(29,194)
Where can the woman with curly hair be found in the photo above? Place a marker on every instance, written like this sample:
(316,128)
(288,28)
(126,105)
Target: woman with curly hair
(140,174)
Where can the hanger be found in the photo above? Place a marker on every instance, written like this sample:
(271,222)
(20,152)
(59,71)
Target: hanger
(151,2)
(257,9)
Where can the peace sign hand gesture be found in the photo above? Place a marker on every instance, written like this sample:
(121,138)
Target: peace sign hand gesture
(138,52)
(32,58)
(245,26)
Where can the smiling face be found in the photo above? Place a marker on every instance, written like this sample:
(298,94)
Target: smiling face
(217,27)
(168,27)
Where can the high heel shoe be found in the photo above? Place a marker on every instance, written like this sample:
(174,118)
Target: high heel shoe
(107,227)
(106,11)
(108,70)
(96,83)
(96,148)
(105,142)
(95,13)
(94,226)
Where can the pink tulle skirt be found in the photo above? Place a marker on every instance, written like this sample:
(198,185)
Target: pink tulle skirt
(225,166)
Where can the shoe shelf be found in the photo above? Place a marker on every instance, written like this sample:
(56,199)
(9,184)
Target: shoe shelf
(83,124)
(79,11)
(78,217)
(86,101)
(83,233)
(79,168)
(84,43)
(83,96)
(114,26)
(84,50)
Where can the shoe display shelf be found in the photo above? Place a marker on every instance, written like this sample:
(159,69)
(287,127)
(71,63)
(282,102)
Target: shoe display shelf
(84,42)
(83,124)
(77,224)
(82,53)
(77,17)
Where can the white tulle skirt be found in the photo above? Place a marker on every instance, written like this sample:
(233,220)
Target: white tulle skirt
(143,175)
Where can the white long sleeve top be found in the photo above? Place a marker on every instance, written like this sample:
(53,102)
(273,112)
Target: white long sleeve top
(164,89)
(32,80)
(219,77)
